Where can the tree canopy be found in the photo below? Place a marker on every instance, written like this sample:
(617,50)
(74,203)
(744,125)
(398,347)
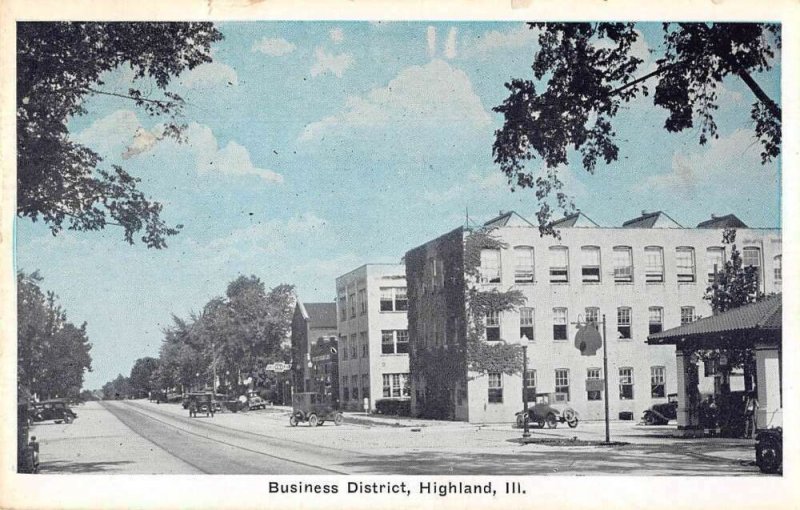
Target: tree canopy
(59,65)
(52,353)
(590,70)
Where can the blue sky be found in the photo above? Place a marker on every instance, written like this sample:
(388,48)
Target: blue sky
(313,148)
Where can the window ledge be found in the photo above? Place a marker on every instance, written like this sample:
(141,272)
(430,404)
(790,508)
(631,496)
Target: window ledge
(623,283)
(591,283)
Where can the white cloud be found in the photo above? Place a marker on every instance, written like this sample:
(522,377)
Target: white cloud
(450,44)
(495,40)
(337,35)
(143,141)
(210,75)
(328,62)
(275,47)
(435,94)
(233,159)
(431,38)
(734,159)
(111,133)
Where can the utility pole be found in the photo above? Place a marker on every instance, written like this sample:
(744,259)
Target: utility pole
(526,432)
(605,378)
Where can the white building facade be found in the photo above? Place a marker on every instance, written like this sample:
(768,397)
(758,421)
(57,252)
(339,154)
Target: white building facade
(647,276)
(373,336)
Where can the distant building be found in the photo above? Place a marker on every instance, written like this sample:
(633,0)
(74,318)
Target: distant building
(647,276)
(373,335)
(313,324)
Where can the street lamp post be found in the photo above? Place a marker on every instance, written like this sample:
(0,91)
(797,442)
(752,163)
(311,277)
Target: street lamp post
(525,430)
(605,378)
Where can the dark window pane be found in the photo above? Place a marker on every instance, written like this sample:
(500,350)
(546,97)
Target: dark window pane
(657,391)
(594,395)
(386,305)
(559,331)
(655,328)
(401,305)
(526,331)
(493,333)
(624,331)
(495,395)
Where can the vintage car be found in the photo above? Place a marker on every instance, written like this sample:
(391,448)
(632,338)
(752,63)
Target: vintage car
(661,414)
(769,450)
(27,447)
(201,403)
(56,410)
(255,402)
(542,412)
(313,408)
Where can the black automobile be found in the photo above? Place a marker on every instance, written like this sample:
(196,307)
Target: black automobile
(661,414)
(56,410)
(769,450)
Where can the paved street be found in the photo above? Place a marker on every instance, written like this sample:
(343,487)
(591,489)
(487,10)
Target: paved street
(142,437)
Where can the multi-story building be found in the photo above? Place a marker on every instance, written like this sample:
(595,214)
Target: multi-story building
(650,274)
(373,335)
(313,332)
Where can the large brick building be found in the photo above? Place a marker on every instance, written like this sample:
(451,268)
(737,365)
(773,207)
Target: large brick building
(648,275)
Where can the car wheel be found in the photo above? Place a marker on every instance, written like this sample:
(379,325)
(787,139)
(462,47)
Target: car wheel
(58,422)
(313,421)
(540,423)
(520,421)
(769,457)
(293,421)
(338,419)
(68,419)
(552,422)
(573,423)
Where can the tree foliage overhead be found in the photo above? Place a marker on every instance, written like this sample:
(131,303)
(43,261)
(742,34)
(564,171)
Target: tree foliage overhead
(52,353)
(60,65)
(588,71)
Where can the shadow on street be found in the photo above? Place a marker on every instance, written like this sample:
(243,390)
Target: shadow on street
(80,467)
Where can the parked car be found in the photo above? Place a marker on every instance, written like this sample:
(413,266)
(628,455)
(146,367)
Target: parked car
(542,413)
(769,450)
(661,414)
(27,447)
(57,410)
(256,402)
(313,408)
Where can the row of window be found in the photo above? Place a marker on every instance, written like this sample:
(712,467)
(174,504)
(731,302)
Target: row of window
(594,391)
(394,386)
(592,314)
(349,392)
(393,341)
(393,299)
(491,269)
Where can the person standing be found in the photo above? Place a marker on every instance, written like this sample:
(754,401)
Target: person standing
(750,415)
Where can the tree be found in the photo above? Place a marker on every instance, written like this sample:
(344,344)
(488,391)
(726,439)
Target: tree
(52,353)
(118,388)
(141,375)
(590,72)
(59,65)
(734,285)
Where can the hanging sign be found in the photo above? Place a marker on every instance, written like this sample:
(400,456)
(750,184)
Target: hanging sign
(588,339)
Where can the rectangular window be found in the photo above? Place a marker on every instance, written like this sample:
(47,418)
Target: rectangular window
(345,394)
(656,319)
(352,299)
(394,299)
(365,385)
(684,260)
(623,264)
(364,345)
(624,322)
(354,381)
(495,388)
(387,341)
(751,257)
(559,323)
(592,315)
(777,268)
(343,346)
(654,264)
(626,383)
(715,262)
(434,274)
(396,385)
(353,347)
(343,306)
(362,300)
(559,264)
(402,341)
(530,385)
(387,385)
(562,385)
(523,264)
(526,323)
(657,382)
(593,384)
(687,314)
(590,264)
(490,266)
(492,326)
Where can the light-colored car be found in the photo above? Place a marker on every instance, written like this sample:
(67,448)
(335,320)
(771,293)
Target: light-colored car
(256,402)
